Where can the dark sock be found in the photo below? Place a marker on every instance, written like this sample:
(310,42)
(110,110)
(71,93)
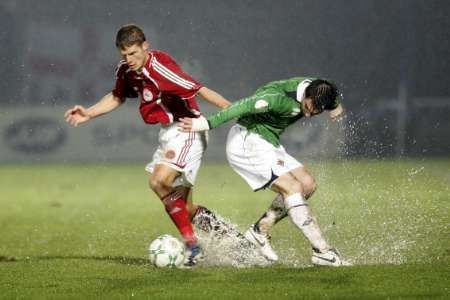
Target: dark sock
(176,208)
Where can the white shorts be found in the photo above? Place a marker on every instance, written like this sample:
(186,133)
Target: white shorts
(255,159)
(182,151)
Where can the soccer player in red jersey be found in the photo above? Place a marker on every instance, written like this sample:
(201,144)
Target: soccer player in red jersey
(166,94)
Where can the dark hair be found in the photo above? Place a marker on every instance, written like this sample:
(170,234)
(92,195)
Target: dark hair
(322,92)
(129,35)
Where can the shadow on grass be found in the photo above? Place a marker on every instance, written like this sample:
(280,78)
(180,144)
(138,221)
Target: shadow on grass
(115,259)
(7,259)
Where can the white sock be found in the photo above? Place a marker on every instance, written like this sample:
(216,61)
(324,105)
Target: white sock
(302,217)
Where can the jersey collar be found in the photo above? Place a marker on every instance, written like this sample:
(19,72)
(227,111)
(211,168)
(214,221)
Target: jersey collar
(149,62)
(301,89)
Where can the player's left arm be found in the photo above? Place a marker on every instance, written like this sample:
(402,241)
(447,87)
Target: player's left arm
(246,106)
(213,97)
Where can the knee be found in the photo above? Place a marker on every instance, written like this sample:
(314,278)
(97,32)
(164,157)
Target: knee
(295,187)
(158,182)
(287,185)
(309,186)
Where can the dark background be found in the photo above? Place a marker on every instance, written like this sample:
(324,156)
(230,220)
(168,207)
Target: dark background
(389,58)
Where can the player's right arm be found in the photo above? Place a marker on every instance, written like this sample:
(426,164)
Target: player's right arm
(79,114)
(213,97)
(247,106)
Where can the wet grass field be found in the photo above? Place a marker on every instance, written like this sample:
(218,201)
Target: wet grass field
(81,231)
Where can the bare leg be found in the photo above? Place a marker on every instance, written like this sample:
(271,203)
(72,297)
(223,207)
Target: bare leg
(277,211)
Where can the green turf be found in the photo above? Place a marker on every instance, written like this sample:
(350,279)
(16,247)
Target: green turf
(78,231)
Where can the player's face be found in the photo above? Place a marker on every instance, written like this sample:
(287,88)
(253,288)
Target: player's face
(308,108)
(136,55)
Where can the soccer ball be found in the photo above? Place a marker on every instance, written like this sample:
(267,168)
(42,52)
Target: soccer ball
(167,251)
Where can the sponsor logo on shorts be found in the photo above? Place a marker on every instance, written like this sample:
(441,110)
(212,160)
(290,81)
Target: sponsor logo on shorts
(170,154)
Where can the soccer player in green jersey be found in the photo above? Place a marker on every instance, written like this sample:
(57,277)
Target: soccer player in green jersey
(255,153)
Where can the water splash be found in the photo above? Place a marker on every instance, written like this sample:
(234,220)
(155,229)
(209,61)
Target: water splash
(229,251)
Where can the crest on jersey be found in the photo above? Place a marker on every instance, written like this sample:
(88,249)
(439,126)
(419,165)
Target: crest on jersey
(147,95)
(261,105)
(295,111)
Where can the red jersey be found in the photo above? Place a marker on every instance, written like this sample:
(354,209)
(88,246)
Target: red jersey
(167,93)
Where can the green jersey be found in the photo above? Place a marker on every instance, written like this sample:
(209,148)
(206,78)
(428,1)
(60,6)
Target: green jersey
(268,112)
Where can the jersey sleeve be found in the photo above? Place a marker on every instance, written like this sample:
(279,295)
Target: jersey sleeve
(121,88)
(247,106)
(172,79)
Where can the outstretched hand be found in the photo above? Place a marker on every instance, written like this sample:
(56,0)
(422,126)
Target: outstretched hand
(76,115)
(185,124)
(193,124)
